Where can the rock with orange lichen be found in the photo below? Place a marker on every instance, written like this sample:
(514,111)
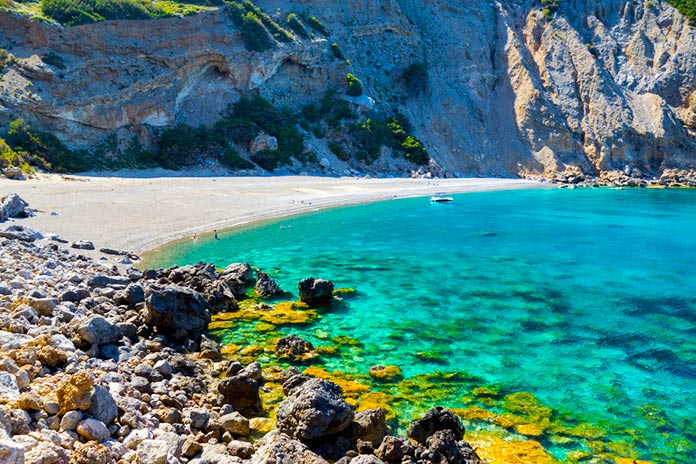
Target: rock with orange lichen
(473,413)
(530,430)
(75,392)
(351,388)
(631,461)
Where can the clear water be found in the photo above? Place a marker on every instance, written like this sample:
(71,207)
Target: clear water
(586,298)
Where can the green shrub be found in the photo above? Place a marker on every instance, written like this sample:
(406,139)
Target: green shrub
(72,12)
(296,24)
(11,158)
(314,23)
(685,7)
(338,150)
(354,86)
(256,37)
(54,60)
(232,159)
(336,50)
(415,78)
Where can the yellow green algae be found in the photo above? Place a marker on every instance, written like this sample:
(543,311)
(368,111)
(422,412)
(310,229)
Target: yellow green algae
(505,427)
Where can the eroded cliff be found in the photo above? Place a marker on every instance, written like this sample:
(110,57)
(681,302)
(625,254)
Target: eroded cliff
(598,84)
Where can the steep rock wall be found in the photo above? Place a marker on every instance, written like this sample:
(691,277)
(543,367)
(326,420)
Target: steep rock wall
(601,84)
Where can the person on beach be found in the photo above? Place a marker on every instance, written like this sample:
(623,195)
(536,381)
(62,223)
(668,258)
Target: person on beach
(216,235)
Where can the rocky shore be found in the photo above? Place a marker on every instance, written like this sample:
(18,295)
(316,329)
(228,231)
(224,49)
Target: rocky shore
(101,362)
(629,177)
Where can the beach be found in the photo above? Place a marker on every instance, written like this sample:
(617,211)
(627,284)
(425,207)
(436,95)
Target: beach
(143,210)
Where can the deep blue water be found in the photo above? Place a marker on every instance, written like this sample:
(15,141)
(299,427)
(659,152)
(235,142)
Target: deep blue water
(586,297)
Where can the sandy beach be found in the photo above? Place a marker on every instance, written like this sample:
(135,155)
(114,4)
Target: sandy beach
(141,212)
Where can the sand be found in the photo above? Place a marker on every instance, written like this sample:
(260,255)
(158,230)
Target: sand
(141,212)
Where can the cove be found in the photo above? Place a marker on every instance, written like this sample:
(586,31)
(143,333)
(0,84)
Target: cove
(571,310)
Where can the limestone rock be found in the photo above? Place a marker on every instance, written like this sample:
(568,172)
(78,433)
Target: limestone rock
(45,453)
(82,245)
(277,447)
(316,291)
(265,286)
(9,391)
(263,142)
(12,206)
(152,452)
(11,452)
(313,408)
(435,420)
(393,449)
(238,277)
(13,173)
(75,392)
(294,348)
(242,392)
(199,418)
(174,308)
(99,331)
(93,429)
(91,453)
(370,425)
(235,424)
(23,233)
(103,407)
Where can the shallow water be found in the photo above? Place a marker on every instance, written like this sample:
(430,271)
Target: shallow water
(586,298)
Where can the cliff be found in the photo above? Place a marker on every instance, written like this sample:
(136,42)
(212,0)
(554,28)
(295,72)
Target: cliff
(601,85)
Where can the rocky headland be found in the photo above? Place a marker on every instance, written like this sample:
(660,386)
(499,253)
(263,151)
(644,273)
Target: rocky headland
(101,362)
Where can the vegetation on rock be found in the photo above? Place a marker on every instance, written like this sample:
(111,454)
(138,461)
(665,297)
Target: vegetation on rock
(685,7)
(354,86)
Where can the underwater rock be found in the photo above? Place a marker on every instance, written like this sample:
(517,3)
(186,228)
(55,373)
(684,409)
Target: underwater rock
(385,373)
(313,408)
(316,292)
(435,420)
(265,286)
(294,348)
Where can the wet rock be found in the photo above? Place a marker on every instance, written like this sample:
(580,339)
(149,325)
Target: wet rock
(22,233)
(313,408)
(265,286)
(294,348)
(235,424)
(435,420)
(277,447)
(12,206)
(242,392)
(316,292)
(82,245)
(175,309)
(103,407)
(93,429)
(99,331)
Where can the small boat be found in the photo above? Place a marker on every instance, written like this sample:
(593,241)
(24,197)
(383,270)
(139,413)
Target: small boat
(440,197)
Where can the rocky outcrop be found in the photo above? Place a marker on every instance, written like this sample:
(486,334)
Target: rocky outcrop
(294,348)
(316,292)
(265,286)
(313,408)
(177,312)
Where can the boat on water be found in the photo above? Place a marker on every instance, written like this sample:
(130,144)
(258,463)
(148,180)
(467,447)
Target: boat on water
(440,197)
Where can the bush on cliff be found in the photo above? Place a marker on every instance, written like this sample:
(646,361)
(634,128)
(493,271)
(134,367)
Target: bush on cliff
(73,12)
(685,7)
(354,86)
(296,24)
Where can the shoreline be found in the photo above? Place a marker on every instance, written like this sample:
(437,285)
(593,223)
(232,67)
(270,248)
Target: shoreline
(142,213)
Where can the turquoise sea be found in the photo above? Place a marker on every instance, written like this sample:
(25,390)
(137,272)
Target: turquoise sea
(585,298)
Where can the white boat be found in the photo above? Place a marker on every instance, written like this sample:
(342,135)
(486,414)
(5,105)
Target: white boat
(440,198)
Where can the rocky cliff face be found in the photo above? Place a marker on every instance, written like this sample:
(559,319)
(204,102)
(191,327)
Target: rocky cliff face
(600,84)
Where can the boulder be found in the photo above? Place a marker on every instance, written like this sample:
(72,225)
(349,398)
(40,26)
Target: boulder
(240,449)
(75,392)
(443,446)
(172,309)
(99,331)
(103,405)
(235,424)
(44,306)
(45,453)
(12,206)
(370,425)
(9,390)
(277,448)
(91,453)
(102,280)
(22,233)
(82,245)
(70,420)
(294,348)
(263,142)
(435,420)
(11,452)
(93,429)
(316,292)
(393,449)
(242,392)
(238,277)
(152,452)
(13,173)
(199,418)
(313,408)
(265,286)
